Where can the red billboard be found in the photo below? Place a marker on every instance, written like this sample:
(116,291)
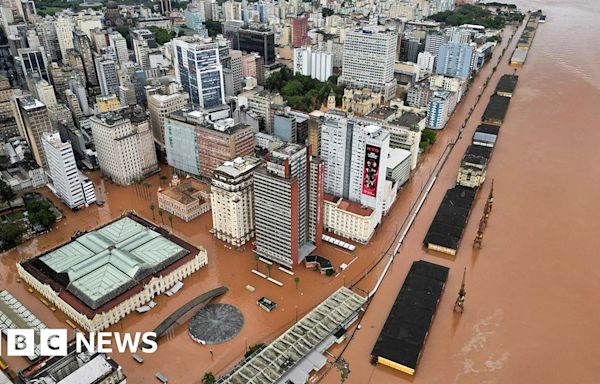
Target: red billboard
(371,170)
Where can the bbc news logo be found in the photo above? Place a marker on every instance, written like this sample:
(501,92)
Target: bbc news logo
(54,342)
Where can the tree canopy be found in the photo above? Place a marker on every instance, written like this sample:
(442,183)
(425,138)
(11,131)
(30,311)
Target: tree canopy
(7,194)
(40,213)
(161,35)
(11,234)
(472,14)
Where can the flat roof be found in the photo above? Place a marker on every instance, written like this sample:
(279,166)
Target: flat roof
(404,333)
(298,342)
(496,108)
(186,192)
(97,270)
(488,128)
(451,218)
(507,83)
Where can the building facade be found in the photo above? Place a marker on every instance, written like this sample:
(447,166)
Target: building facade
(316,64)
(33,120)
(185,199)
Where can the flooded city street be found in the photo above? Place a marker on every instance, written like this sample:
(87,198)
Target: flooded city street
(529,313)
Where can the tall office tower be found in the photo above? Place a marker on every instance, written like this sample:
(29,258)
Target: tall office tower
(73,104)
(369,57)
(181,141)
(33,120)
(415,47)
(195,17)
(283,206)
(315,199)
(232,200)
(356,157)
(458,35)
(106,68)
(199,70)
(438,109)
(454,60)
(84,47)
(119,44)
(73,188)
(34,63)
(258,40)
(99,39)
(64,33)
(165,7)
(426,62)
(316,64)
(46,30)
(125,146)
(290,126)
(299,31)
(221,141)
(143,40)
(45,93)
(433,42)
(160,107)
(235,66)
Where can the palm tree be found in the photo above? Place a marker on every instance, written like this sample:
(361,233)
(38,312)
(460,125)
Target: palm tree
(296,280)
(171,221)
(257,258)
(160,213)
(269,266)
(152,209)
(7,194)
(208,378)
(162,178)
(147,188)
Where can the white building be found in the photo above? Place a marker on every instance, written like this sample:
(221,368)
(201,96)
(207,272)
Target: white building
(368,60)
(335,144)
(106,68)
(119,44)
(74,189)
(160,107)
(316,64)
(349,219)
(45,93)
(125,146)
(232,200)
(426,63)
(64,32)
(439,108)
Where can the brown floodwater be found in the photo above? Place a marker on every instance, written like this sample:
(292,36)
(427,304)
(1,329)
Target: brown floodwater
(531,311)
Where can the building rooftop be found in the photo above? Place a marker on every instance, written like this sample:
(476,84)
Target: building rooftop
(186,192)
(238,166)
(507,84)
(397,156)
(407,119)
(30,102)
(348,206)
(97,270)
(382,113)
(496,108)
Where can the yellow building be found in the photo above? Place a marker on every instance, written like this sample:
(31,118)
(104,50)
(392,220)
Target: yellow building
(185,199)
(360,101)
(108,103)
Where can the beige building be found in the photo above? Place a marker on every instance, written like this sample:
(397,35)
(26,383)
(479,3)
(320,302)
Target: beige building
(360,101)
(260,103)
(108,103)
(111,271)
(185,199)
(232,198)
(124,145)
(349,219)
(160,107)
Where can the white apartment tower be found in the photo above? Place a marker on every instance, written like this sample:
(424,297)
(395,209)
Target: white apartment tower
(64,33)
(160,107)
(316,64)
(73,188)
(106,68)
(125,146)
(118,42)
(232,200)
(368,60)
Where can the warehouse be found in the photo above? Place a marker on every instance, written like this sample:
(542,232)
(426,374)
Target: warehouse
(486,135)
(506,85)
(473,166)
(99,277)
(495,112)
(447,228)
(404,333)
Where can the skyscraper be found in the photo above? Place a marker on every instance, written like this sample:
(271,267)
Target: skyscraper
(368,60)
(455,60)
(33,120)
(199,71)
(288,210)
(64,33)
(119,44)
(84,47)
(165,7)
(258,40)
(160,107)
(299,30)
(34,63)
(72,187)
(106,68)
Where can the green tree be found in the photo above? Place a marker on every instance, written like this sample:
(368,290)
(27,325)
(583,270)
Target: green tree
(269,266)
(152,207)
(254,348)
(327,12)
(428,137)
(171,221)
(160,213)
(214,27)
(11,234)
(257,258)
(40,213)
(163,178)
(161,35)
(7,194)
(296,280)
(208,378)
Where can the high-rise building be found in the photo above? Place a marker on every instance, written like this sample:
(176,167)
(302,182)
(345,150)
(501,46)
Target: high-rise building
(287,216)
(438,109)
(454,60)
(106,68)
(165,7)
(84,47)
(45,93)
(316,64)
(199,71)
(125,146)
(34,63)
(434,41)
(143,41)
(258,40)
(64,27)
(118,42)
(299,30)
(369,57)
(72,187)
(232,200)
(33,120)
(160,107)
(426,61)
(46,30)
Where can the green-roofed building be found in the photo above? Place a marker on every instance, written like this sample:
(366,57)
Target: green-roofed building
(101,276)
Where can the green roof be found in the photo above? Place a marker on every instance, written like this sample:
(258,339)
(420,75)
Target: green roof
(104,263)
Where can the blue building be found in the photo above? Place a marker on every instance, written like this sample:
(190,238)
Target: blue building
(199,71)
(454,60)
(438,109)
